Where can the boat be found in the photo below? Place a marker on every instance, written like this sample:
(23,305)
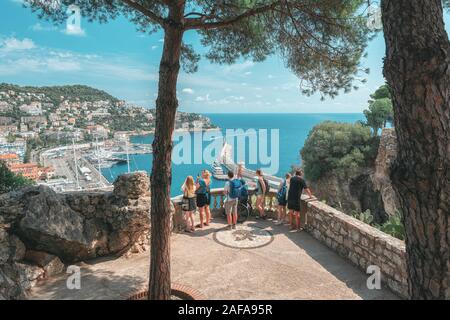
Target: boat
(217,171)
(104,158)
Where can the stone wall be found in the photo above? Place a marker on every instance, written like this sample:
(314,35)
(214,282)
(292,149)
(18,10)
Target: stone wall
(360,243)
(40,230)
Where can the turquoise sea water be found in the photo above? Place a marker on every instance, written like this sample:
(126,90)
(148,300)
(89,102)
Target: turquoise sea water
(293,131)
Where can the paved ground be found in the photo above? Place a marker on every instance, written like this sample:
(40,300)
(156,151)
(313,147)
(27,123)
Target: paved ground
(289,265)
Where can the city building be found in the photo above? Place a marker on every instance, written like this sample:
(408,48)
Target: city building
(34,108)
(10,158)
(28,170)
(4,106)
(32,171)
(6,121)
(8,129)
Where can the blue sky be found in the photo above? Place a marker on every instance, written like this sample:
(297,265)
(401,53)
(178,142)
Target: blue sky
(118,59)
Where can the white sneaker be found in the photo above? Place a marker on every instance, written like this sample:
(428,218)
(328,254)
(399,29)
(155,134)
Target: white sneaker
(278,223)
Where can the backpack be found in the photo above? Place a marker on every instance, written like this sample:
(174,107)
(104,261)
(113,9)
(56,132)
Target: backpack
(281,195)
(266,183)
(235,187)
(203,187)
(243,191)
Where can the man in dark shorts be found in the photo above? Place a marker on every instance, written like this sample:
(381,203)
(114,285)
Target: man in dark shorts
(296,187)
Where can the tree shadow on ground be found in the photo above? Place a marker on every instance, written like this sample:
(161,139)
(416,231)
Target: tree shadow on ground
(95,285)
(331,261)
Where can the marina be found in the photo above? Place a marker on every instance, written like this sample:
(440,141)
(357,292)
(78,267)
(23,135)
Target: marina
(78,167)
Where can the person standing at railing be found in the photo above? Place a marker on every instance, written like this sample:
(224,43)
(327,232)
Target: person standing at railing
(207,177)
(202,188)
(188,204)
(239,170)
(282,199)
(262,186)
(231,191)
(296,186)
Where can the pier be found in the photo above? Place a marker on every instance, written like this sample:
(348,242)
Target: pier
(225,159)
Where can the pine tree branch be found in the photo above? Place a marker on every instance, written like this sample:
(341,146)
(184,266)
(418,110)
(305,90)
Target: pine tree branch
(199,24)
(146,12)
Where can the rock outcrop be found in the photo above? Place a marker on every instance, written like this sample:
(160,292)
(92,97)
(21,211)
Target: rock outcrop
(368,189)
(40,229)
(387,152)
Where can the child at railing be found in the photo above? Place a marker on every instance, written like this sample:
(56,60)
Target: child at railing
(188,205)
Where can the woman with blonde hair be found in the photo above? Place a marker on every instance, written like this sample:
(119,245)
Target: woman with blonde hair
(188,203)
(207,178)
(202,190)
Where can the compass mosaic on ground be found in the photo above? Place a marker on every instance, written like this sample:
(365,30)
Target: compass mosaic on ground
(244,237)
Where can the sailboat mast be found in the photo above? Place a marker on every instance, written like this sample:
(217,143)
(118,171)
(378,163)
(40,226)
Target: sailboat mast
(98,155)
(128,154)
(76,164)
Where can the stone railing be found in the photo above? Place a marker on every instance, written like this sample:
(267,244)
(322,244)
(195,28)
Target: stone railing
(359,242)
(354,240)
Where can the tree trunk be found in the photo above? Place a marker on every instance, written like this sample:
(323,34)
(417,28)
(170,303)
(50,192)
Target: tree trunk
(166,107)
(417,70)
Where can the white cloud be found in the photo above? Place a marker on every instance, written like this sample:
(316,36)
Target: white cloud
(238,67)
(289,86)
(63,65)
(248,73)
(13,44)
(49,60)
(39,27)
(270,76)
(74,31)
(154,47)
(202,98)
(188,91)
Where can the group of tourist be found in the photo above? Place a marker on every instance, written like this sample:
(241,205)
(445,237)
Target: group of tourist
(196,194)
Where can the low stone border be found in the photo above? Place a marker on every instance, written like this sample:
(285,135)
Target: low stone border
(180,290)
(360,243)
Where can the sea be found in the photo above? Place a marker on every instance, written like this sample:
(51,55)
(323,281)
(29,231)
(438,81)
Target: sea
(281,134)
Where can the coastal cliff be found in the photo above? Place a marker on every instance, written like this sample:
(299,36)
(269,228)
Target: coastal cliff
(368,188)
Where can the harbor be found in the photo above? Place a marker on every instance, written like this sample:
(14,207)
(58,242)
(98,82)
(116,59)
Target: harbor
(78,167)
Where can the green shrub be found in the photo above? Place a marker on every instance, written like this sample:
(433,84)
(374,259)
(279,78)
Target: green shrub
(341,148)
(393,226)
(365,216)
(9,181)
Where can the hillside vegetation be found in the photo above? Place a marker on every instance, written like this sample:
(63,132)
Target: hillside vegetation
(54,93)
